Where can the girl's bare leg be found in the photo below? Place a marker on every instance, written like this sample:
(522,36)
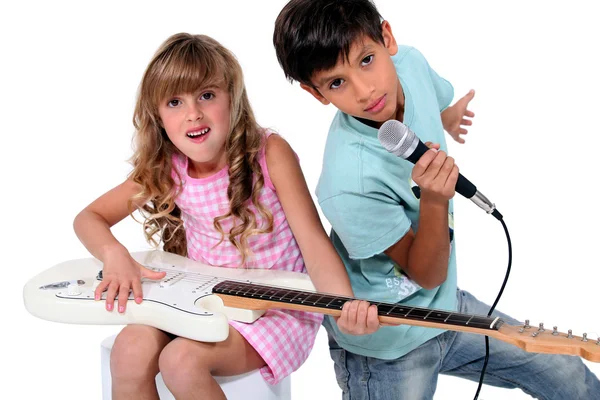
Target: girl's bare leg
(134,362)
(188,366)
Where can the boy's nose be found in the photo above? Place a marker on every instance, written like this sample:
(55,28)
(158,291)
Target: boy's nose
(364,91)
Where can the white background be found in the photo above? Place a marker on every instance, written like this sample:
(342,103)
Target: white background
(69,74)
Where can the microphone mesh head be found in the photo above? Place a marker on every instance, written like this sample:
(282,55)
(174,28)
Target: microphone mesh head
(395,137)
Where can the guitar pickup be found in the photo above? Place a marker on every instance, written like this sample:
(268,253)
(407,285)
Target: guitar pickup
(172,280)
(62,284)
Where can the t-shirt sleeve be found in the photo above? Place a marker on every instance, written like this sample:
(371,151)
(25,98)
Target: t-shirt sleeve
(443,89)
(367,224)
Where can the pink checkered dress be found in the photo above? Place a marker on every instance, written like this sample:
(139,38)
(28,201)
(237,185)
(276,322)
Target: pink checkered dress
(283,338)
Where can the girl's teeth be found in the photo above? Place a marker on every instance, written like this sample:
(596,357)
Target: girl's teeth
(199,133)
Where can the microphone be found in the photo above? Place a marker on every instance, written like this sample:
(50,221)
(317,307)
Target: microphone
(399,140)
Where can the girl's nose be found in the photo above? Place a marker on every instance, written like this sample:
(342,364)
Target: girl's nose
(194,114)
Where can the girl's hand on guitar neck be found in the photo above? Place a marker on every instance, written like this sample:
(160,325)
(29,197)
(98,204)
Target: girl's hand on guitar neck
(120,274)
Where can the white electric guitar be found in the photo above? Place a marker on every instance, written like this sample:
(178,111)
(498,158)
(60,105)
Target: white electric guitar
(196,301)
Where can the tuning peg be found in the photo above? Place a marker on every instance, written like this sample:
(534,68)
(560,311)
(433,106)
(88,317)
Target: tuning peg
(585,339)
(527,326)
(569,334)
(555,331)
(521,330)
(534,334)
(541,329)
(598,342)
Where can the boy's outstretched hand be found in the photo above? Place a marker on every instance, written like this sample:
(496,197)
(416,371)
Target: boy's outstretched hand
(454,118)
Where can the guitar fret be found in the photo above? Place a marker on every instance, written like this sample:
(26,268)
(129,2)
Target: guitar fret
(307,298)
(332,299)
(315,303)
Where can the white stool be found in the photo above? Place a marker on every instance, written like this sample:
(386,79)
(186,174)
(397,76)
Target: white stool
(246,386)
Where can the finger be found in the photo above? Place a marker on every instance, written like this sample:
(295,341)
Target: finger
(469,114)
(463,131)
(466,122)
(100,288)
(469,96)
(361,315)
(136,286)
(423,163)
(445,171)
(429,178)
(452,178)
(150,274)
(110,295)
(372,319)
(342,321)
(353,313)
(436,164)
(432,145)
(123,296)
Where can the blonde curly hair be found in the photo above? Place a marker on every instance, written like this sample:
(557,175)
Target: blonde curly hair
(183,64)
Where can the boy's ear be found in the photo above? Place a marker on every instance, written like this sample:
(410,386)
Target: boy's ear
(388,38)
(316,94)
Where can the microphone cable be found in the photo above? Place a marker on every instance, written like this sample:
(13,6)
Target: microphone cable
(499,217)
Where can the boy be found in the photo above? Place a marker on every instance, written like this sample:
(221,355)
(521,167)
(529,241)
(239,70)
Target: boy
(397,247)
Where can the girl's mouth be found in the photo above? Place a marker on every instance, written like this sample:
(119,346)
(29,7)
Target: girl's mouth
(197,134)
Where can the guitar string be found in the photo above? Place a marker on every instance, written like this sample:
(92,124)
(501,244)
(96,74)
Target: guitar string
(202,280)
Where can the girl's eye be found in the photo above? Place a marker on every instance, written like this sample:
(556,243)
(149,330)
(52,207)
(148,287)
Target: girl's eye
(336,83)
(173,103)
(207,96)
(367,60)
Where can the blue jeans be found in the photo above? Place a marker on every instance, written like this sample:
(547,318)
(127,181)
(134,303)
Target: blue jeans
(414,376)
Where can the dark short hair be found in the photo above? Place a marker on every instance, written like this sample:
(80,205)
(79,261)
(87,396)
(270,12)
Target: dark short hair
(311,35)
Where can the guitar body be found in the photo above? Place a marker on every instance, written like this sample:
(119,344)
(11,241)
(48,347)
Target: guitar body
(182,303)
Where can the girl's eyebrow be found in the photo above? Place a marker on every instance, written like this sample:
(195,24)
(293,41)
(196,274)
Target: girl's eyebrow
(210,87)
(200,90)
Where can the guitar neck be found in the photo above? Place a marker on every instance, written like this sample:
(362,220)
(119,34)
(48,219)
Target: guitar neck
(260,297)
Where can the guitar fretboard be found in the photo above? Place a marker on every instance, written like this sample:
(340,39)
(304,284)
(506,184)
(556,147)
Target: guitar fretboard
(319,300)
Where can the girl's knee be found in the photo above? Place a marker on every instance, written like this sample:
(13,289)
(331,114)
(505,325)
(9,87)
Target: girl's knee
(183,357)
(136,350)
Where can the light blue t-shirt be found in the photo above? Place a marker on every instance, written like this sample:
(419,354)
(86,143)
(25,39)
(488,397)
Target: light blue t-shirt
(368,196)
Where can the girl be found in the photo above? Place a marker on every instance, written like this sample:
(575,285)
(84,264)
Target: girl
(215,187)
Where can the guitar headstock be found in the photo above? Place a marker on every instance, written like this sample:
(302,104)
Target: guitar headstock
(539,339)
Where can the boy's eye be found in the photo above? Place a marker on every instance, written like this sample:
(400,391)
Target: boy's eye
(336,83)
(367,60)
(173,103)
(207,96)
